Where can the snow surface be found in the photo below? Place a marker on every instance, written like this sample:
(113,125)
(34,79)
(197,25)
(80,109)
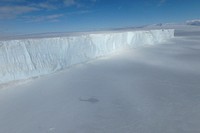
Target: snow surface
(145,90)
(26,58)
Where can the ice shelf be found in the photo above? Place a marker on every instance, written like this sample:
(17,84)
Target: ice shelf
(26,58)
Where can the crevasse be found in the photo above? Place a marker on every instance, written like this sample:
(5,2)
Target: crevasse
(26,58)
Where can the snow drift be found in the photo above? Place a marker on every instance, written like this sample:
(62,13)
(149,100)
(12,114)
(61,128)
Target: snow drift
(25,58)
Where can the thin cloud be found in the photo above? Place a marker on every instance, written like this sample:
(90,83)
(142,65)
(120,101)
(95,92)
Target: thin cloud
(12,0)
(79,12)
(161,2)
(49,18)
(93,0)
(8,12)
(70,2)
(16,9)
(45,6)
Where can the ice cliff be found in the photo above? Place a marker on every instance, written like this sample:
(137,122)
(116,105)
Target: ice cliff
(26,58)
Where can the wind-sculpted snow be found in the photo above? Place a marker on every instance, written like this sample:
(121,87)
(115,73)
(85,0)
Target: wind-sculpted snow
(25,58)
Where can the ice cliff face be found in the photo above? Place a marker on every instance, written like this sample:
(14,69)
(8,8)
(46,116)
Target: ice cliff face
(25,58)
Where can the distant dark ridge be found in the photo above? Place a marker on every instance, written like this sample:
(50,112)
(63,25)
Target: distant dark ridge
(193,22)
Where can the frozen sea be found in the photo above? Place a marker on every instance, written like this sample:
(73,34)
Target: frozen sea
(154,89)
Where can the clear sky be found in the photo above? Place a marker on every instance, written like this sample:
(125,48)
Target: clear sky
(38,16)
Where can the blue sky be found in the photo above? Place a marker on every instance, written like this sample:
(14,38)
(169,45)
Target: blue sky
(39,16)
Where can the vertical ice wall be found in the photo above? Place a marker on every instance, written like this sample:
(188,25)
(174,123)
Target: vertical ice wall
(25,58)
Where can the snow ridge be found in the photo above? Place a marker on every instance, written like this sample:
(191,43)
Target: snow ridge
(26,58)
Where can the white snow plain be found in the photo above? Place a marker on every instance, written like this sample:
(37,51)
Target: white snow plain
(152,89)
(26,58)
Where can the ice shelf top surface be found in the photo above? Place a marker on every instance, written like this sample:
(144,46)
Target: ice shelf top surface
(68,34)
